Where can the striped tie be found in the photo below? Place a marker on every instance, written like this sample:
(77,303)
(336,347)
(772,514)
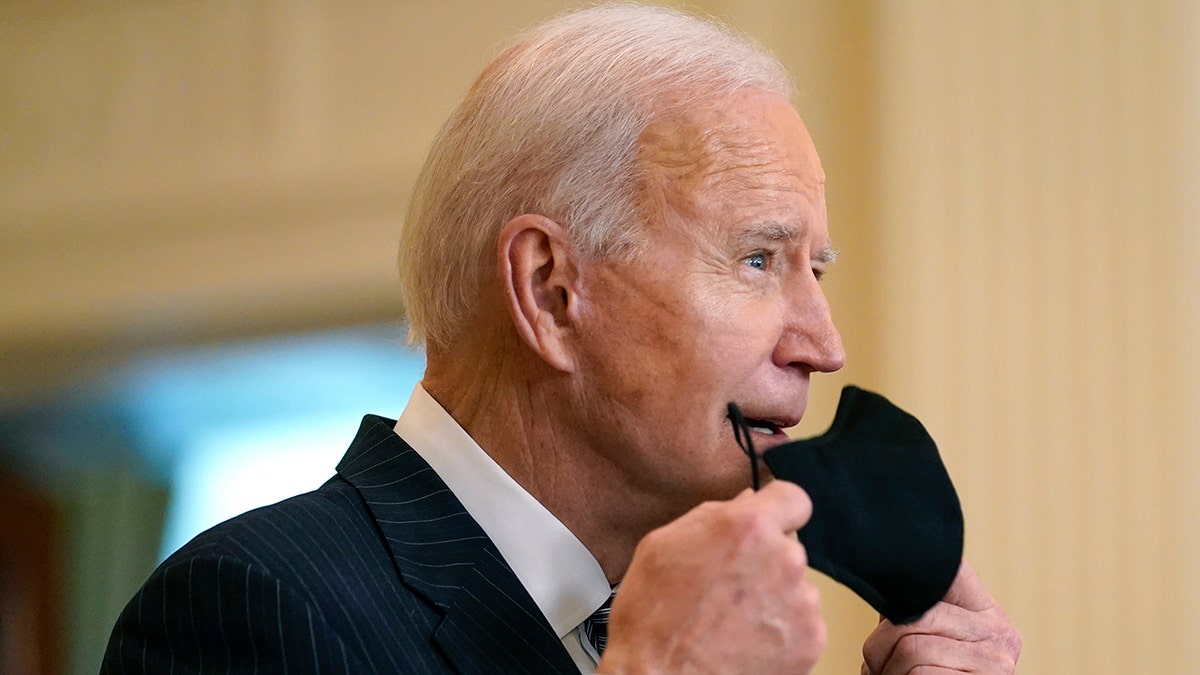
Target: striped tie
(595,627)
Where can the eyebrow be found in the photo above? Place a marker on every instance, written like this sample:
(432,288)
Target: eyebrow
(827,255)
(778,231)
(771,231)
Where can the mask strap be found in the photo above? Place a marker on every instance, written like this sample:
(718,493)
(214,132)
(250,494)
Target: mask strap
(741,434)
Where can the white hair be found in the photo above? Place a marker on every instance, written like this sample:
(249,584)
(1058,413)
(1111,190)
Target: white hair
(551,127)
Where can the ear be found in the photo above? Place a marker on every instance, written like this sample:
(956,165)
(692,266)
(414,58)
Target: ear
(538,269)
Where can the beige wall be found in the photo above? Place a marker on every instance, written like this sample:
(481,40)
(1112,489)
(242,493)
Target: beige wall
(1014,186)
(1039,203)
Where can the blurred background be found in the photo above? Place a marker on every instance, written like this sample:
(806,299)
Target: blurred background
(199,204)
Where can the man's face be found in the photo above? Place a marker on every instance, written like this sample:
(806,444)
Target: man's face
(724,304)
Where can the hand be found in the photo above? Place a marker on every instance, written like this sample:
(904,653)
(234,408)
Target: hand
(720,590)
(967,632)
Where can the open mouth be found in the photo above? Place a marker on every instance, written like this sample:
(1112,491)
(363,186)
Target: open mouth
(760,425)
(767,427)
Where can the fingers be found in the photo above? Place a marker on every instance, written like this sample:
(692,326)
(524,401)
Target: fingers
(955,639)
(925,670)
(721,589)
(966,632)
(944,620)
(968,592)
(784,503)
(917,651)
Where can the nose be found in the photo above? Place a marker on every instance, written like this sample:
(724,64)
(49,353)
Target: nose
(810,340)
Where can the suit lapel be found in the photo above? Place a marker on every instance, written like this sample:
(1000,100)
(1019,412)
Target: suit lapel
(487,630)
(490,623)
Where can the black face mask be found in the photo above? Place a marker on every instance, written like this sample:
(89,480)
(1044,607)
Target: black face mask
(886,520)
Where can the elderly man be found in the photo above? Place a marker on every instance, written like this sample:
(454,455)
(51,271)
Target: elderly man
(619,231)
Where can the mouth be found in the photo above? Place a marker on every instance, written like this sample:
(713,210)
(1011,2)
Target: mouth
(766,427)
(769,429)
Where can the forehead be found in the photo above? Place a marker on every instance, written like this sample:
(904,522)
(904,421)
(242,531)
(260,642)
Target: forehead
(749,158)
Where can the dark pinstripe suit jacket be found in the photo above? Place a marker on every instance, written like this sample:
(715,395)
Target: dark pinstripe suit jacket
(381,570)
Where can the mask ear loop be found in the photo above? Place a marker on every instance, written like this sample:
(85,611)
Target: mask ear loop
(741,434)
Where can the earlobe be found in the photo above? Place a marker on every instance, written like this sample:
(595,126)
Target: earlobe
(538,270)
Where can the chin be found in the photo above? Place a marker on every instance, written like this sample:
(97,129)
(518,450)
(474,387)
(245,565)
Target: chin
(728,483)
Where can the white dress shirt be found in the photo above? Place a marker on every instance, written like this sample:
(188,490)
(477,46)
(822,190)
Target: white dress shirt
(557,570)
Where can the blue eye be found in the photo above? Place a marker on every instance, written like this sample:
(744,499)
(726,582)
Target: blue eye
(758,261)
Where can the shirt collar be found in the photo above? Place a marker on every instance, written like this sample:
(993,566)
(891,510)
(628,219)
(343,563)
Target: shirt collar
(557,570)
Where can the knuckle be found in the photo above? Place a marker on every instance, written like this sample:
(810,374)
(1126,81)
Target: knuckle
(749,525)
(716,512)
(653,540)
(800,558)
(1013,642)
(812,595)
(788,487)
(705,512)
(657,545)
(804,501)
(810,642)
(820,637)
(788,560)
(1002,663)
(909,647)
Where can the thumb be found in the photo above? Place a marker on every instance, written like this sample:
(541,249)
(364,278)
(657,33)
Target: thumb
(968,592)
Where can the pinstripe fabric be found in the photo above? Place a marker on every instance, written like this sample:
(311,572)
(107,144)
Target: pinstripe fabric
(379,571)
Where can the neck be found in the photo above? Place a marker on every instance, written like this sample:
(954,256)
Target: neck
(519,410)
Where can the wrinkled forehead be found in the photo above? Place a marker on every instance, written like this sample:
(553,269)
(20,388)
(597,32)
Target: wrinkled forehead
(753,148)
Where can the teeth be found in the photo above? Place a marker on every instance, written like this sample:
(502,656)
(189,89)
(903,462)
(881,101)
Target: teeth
(764,430)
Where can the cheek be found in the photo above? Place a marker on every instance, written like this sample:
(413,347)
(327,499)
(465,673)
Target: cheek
(741,333)
(680,340)
(629,342)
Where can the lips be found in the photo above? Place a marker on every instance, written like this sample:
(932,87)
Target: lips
(768,427)
(765,422)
